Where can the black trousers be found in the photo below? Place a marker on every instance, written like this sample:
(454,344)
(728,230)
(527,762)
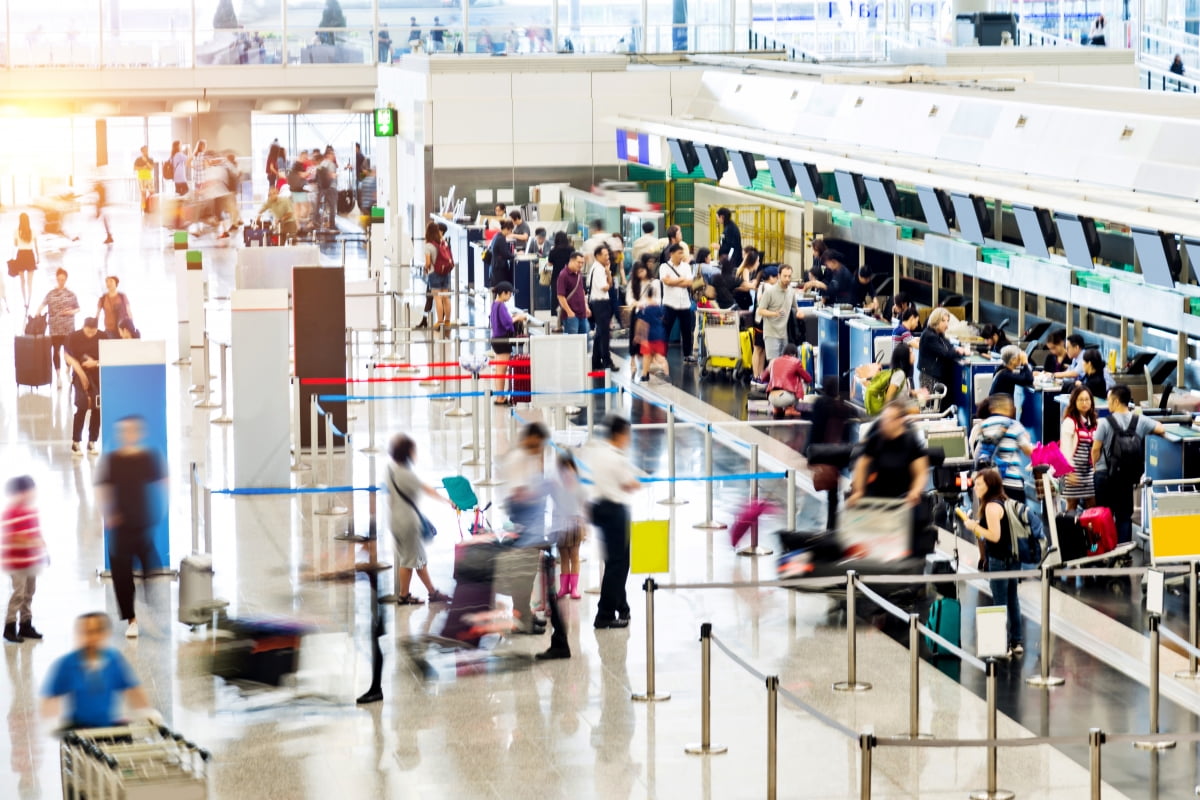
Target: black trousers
(558,628)
(126,544)
(687,326)
(86,400)
(57,343)
(613,521)
(602,313)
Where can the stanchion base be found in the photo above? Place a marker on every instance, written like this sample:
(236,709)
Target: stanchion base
(710,525)
(351,537)
(222,420)
(197,389)
(489,482)
(332,511)
(673,501)
(457,412)
(1154,747)
(1184,675)
(755,551)
(646,697)
(846,686)
(475,462)
(428,383)
(999,794)
(371,450)
(1039,682)
(209,404)
(705,749)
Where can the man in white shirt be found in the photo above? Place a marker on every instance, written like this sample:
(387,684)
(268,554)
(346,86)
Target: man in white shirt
(647,243)
(615,479)
(599,284)
(525,502)
(676,277)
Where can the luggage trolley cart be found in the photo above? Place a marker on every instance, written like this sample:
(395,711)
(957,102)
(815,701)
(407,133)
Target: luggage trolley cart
(721,338)
(1169,521)
(135,762)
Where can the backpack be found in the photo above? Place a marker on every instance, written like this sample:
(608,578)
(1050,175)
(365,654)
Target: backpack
(168,169)
(876,394)
(443,262)
(1026,531)
(985,448)
(1126,453)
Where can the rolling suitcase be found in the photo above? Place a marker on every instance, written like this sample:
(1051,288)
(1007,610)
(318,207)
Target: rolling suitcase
(1100,529)
(195,589)
(1072,541)
(32,357)
(518,368)
(944,619)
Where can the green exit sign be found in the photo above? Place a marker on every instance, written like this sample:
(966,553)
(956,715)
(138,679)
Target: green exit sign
(385,122)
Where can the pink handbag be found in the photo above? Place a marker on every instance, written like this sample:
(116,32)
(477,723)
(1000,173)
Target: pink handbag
(1051,455)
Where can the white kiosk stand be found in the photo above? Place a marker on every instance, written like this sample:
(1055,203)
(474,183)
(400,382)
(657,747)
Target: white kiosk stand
(261,401)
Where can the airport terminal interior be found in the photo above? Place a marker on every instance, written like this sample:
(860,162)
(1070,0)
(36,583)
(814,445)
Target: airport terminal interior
(265,180)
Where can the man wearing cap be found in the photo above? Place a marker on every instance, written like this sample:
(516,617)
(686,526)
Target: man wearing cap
(83,357)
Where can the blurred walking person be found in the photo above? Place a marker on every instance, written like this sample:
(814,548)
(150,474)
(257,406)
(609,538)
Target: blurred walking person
(63,305)
(143,167)
(24,263)
(83,358)
(22,556)
(94,679)
(616,479)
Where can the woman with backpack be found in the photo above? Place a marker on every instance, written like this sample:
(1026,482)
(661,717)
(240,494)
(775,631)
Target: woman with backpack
(990,525)
(438,266)
(1075,440)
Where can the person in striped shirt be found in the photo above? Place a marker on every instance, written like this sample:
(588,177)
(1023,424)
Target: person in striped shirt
(22,556)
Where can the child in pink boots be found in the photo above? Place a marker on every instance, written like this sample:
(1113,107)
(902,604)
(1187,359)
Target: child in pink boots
(568,525)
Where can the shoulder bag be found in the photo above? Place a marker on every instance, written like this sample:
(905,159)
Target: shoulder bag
(428,531)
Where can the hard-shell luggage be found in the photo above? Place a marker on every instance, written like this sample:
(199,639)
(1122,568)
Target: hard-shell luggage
(1072,541)
(196,589)
(518,368)
(1100,530)
(254,234)
(345,201)
(746,339)
(944,619)
(942,564)
(32,357)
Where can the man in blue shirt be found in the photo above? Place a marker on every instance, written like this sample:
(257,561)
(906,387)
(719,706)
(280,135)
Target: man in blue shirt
(94,679)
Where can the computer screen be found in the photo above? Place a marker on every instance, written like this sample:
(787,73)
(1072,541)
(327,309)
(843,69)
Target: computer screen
(881,199)
(932,207)
(743,167)
(970,227)
(683,153)
(1157,255)
(808,181)
(847,191)
(1031,231)
(953,443)
(713,161)
(782,175)
(1075,240)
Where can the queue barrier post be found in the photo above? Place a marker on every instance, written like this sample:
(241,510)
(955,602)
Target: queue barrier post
(458,410)
(866,744)
(791,500)
(488,408)
(1096,740)
(1044,680)
(914,679)
(371,448)
(1191,673)
(754,549)
(298,464)
(709,523)
(671,500)
(330,508)
(193,473)
(650,695)
(705,747)
(208,523)
(206,380)
(1154,746)
(991,792)
(475,460)
(223,418)
(851,684)
(772,736)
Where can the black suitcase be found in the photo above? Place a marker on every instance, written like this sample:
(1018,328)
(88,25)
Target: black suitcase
(1072,540)
(32,357)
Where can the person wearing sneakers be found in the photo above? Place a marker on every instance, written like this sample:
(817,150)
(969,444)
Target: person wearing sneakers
(22,556)
(83,358)
(63,305)
(126,483)
(404,488)
(615,480)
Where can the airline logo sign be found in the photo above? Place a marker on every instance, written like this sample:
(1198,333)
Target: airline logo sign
(637,147)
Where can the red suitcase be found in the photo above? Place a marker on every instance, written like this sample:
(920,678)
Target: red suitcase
(518,368)
(1101,529)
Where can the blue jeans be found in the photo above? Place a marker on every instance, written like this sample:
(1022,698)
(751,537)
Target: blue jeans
(1004,592)
(575,325)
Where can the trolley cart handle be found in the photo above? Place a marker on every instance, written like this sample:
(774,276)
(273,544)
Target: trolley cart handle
(1147,482)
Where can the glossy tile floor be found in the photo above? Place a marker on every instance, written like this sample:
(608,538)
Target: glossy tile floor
(500,727)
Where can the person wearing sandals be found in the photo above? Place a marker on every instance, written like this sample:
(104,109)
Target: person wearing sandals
(404,488)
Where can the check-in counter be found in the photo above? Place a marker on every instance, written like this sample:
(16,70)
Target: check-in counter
(962,393)
(833,351)
(1174,455)
(1040,411)
(864,333)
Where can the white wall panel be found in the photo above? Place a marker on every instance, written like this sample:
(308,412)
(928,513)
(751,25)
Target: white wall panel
(537,86)
(555,154)
(495,83)
(472,156)
(486,121)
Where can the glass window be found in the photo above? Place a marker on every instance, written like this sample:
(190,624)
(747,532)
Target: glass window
(239,32)
(41,39)
(330,32)
(405,22)
(144,33)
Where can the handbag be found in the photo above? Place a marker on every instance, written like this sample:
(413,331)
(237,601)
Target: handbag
(641,331)
(36,326)
(14,268)
(824,477)
(428,530)
(1052,455)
